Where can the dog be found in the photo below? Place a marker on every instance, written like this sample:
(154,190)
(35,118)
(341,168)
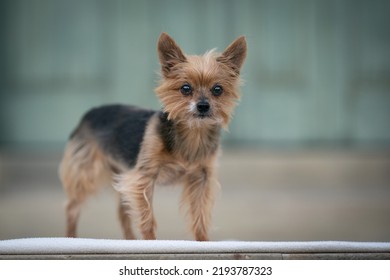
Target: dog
(134,149)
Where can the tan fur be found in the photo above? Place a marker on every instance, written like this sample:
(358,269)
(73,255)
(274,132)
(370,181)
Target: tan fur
(85,166)
(192,166)
(206,71)
(83,170)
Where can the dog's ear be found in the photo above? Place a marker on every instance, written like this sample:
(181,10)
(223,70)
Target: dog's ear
(169,53)
(234,55)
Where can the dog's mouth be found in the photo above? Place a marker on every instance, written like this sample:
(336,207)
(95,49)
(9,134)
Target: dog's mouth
(203,115)
(202,119)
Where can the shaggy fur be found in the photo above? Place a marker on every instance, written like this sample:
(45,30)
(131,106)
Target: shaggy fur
(135,149)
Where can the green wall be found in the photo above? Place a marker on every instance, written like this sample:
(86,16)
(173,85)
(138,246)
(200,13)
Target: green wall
(317,72)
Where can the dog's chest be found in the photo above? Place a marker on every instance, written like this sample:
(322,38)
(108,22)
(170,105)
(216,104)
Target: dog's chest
(171,172)
(188,144)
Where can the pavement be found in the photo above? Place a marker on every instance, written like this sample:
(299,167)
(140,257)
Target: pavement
(285,195)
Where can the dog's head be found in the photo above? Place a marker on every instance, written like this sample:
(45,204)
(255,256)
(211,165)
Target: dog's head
(200,89)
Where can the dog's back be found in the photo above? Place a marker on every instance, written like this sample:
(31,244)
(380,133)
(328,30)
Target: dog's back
(118,130)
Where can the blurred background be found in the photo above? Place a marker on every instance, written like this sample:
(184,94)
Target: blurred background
(307,156)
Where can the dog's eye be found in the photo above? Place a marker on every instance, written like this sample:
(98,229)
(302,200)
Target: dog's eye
(217,90)
(186,89)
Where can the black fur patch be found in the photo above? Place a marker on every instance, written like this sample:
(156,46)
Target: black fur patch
(167,131)
(119,129)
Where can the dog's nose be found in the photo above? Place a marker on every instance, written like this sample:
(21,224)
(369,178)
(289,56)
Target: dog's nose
(203,106)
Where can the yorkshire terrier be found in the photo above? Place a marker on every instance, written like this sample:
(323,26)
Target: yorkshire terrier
(135,149)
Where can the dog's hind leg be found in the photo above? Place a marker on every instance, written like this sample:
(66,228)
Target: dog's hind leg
(82,171)
(73,208)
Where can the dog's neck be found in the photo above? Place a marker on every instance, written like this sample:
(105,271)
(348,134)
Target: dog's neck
(189,142)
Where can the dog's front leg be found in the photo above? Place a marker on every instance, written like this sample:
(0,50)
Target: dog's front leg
(137,190)
(198,194)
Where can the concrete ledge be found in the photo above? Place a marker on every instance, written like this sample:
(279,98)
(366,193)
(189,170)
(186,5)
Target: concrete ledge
(68,248)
